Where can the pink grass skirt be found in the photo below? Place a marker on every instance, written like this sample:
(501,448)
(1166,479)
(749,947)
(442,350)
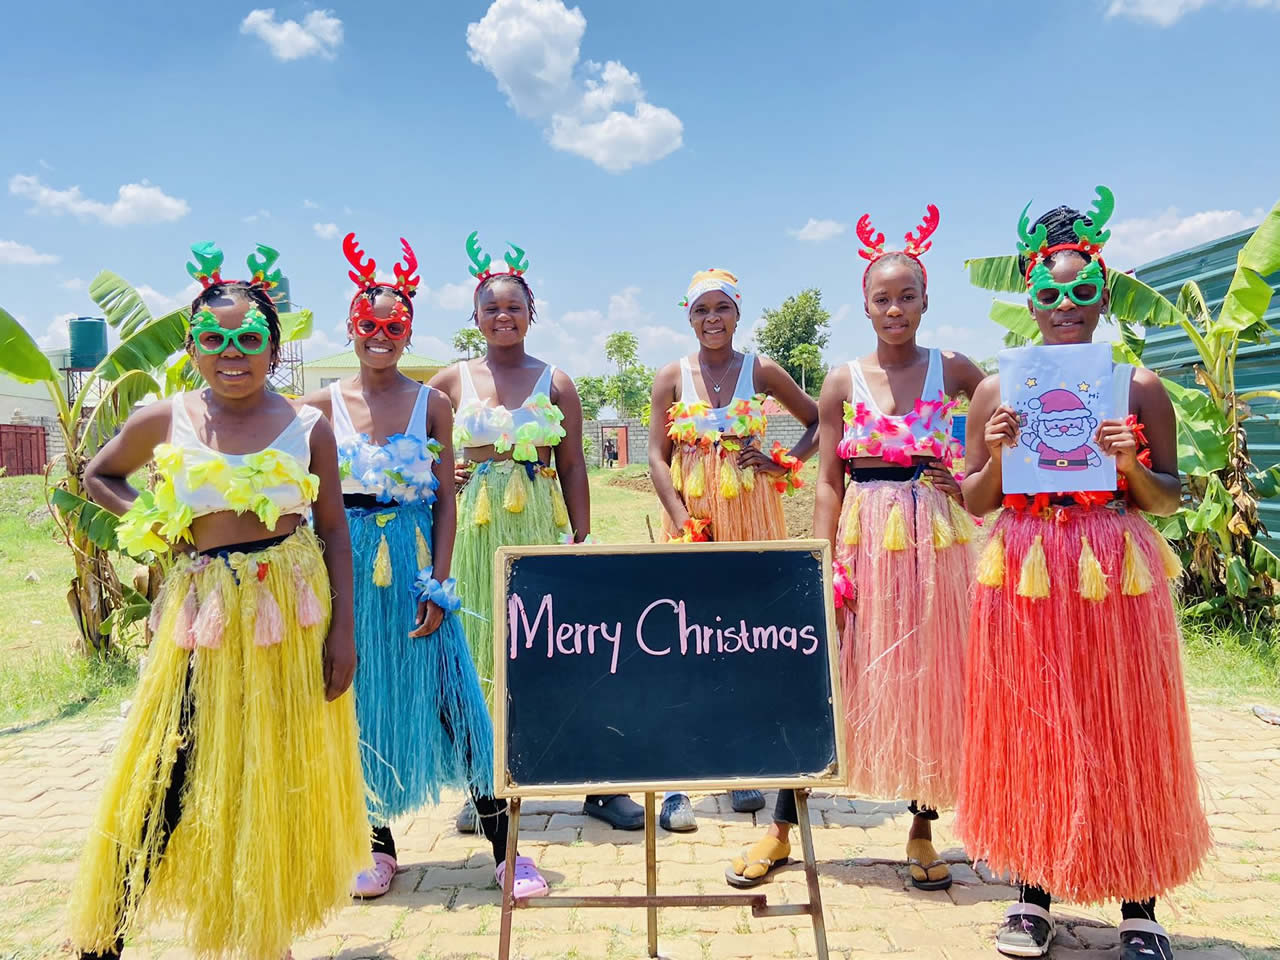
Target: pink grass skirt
(902,637)
(1078,775)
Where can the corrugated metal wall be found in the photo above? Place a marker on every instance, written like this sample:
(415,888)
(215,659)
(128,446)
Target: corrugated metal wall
(1257,365)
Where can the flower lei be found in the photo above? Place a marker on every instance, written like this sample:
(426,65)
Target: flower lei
(746,419)
(841,583)
(427,589)
(544,431)
(890,438)
(693,531)
(244,488)
(402,469)
(790,481)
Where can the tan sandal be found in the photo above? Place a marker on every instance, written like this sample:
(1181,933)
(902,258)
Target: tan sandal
(928,870)
(752,867)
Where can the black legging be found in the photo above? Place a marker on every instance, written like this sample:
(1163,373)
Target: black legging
(1129,909)
(491,811)
(784,809)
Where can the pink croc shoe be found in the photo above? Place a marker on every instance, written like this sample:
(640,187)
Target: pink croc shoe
(528,882)
(371,884)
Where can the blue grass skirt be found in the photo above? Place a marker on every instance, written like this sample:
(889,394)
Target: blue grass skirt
(423,720)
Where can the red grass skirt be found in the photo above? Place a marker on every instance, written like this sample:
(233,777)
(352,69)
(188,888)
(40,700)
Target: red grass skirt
(741,504)
(903,633)
(1078,774)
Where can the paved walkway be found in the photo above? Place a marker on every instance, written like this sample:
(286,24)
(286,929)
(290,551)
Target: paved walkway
(443,903)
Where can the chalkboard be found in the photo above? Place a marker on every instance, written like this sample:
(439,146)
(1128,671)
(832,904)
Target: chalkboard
(665,666)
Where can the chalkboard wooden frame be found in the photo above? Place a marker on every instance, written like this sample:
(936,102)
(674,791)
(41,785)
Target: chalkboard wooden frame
(834,775)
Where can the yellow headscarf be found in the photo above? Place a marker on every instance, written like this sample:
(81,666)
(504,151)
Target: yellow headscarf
(713,278)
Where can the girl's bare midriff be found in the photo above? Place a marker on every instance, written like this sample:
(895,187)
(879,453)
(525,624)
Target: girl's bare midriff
(220,529)
(481,454)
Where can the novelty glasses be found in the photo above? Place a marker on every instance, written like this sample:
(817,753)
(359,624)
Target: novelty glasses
(1084,291)
(395,327)
(251,337)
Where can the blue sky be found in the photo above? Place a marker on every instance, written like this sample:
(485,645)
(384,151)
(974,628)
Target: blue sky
(622,145)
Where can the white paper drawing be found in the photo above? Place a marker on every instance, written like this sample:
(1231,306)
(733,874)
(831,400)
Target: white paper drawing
(1060,394)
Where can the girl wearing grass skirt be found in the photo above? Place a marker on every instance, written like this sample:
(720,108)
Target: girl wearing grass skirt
(423,718)
(514,412)
(709,467)
(234,799)
(1078,776)
(888,502)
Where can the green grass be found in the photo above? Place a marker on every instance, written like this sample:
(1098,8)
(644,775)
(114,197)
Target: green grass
(42,677)
(1232,664)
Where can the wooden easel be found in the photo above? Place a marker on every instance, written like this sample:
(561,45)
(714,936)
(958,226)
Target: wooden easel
(651,901)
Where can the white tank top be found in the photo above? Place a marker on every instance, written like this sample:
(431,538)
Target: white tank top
(401,469)
(717,418)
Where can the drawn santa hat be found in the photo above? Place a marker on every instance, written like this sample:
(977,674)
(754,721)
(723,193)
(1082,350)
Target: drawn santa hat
(1058,405)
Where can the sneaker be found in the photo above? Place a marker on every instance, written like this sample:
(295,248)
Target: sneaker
(1144,940)
(677,814)
(1026,932)
(746,801)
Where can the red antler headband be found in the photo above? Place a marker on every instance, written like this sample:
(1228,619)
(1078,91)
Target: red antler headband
(365,276)
(917,241)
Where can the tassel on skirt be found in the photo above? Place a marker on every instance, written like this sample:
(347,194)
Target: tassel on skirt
(1078,773)
(907,550)
(741,504)
(506,503)
(272,824)
(424,724)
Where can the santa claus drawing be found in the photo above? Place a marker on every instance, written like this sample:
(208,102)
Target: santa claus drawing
(1059,428)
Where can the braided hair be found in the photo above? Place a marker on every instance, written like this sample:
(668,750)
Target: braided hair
(372,293)
(514,278)
(1059,222)
(892,258)
(242,290)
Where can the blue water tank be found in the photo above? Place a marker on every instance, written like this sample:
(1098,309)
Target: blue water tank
(88,342)
(958,427)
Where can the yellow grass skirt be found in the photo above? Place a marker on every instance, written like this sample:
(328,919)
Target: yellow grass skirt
(273,824)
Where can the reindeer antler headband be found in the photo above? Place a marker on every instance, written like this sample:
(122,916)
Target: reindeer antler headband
(917,241)
(365,272)
(208,267)
(517,262)
(1088,228)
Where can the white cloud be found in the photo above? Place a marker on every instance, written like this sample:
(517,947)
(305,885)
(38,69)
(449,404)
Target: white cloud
(135,202)
(577,338)
(454,296)
(816,231)
(255,217)
(160,303)
(57,336)
(1165,13)
(17,254)
(1143,239)
(75,283)
(319,33)
(325,231)
(310,205)
(532,49)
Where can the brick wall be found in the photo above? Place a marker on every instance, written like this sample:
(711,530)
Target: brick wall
(53,443)
(783,428)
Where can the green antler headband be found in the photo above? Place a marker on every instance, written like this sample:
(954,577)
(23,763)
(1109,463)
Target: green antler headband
(1088,228)
(208,266)
(517,262)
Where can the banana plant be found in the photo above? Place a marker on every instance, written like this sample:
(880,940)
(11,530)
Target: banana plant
(1231,572)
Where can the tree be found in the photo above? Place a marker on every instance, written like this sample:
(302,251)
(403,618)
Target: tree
(629,390)
(623,349)
(1231,572)
(801,320)
(594,394)
(808,358)
(470,341)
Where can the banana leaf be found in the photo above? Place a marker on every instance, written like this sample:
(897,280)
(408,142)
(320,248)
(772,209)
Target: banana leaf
(1266,483)
(1133,301)
(148,348)
(1017,319)
(295,326)
(133,608)
(1263,560)
(998,274)
(181,375)
(120,303)
(1202,430)
(95,522)
(1249,295)
(20,357)
(113,408)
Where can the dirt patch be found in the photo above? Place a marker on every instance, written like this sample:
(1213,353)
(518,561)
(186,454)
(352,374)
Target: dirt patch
(798,511)
(632,481)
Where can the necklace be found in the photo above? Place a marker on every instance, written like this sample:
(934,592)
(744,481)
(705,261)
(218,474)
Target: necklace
(715,384)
